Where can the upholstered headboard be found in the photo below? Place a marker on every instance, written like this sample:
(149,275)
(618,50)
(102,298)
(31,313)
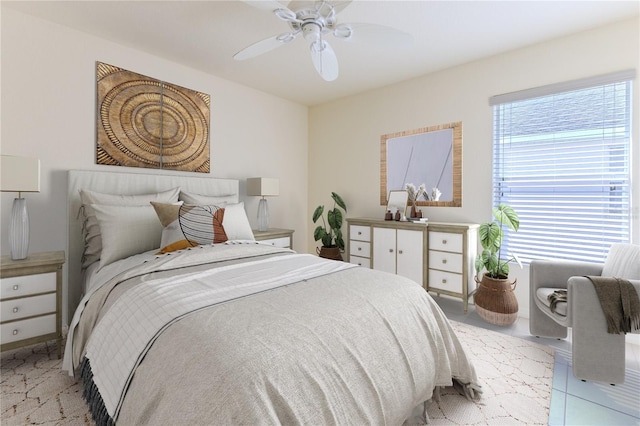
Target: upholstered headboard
(124,184)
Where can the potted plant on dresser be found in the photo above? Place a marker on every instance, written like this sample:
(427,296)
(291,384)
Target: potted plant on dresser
(330,232)
(494,299)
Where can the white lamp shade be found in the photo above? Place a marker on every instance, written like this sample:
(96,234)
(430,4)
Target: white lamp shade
(263,187)
(19,174)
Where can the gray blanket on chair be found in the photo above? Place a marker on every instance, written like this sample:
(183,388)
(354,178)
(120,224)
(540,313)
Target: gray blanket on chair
(620,303)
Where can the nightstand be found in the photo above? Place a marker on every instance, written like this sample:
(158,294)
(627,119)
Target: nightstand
(276,237)
(31,300)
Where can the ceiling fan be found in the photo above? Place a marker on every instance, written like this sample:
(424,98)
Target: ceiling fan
(315,20)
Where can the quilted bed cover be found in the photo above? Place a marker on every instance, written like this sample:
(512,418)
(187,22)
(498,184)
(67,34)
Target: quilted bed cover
(252,334)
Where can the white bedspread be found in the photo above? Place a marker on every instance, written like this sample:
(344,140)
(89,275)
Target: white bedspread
(116,349)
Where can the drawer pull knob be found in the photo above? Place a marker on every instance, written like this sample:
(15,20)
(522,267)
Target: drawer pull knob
(15,310)
(359,264)
(15,332)
(15,287)
(359,248)
(390,250)
(399,251)
(359,232)
(444,260)
(444,281)
(444,241)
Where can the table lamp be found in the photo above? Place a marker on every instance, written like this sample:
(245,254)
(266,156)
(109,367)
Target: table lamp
(263,187)
(19,174)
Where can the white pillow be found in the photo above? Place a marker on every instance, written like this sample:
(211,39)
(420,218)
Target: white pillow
(126,230)
(93,239)
(209,200)
(235,222)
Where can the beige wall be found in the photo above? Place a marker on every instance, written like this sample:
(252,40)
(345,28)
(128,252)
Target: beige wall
(344,136)
(48,111)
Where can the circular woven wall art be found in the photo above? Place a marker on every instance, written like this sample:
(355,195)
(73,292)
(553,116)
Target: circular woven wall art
(147,123)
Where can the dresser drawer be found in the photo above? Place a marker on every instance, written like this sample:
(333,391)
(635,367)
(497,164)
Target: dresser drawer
(25,329)
(27,284)
(359,248)
(365,262)
(445,241)
(360,233)
(27,307)
(445,261)
(440,280)
(284,242)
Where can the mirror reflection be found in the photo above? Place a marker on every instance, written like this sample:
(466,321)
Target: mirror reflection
(428,157)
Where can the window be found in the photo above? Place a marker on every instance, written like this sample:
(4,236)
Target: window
(561,159)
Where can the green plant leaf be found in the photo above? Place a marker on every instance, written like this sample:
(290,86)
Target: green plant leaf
(319,233)
(479,264)
(507,216)
(326,240)
(517,259)
(490,235)
(317,213)
(335,218)
(340,242)
(490,261)
(339,201)
(503,270)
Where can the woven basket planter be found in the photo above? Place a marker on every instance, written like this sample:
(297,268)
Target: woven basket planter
(495,300)
(332,253)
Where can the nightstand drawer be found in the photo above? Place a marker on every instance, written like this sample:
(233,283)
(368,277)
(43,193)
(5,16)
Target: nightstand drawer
(445,261)
(25,329)
(284,242)
(445,241)
(27,284)
(440,280)
(359,248)
(365,262)
(360,233)
(27,307)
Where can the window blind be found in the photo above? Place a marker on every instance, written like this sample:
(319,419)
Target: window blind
(561,161)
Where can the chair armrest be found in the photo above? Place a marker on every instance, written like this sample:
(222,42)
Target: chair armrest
(556,273)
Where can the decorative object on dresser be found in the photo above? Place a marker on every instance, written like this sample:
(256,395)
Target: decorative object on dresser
(31,300)
(145,122)
(331,235)
(19,174)
(429,155)
(397,204)
(275,236)
(263,187)
(414,195)
(495,301)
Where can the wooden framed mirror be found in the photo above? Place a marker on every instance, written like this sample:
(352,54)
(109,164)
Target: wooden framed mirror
(430,156)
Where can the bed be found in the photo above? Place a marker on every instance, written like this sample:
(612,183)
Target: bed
(189,320)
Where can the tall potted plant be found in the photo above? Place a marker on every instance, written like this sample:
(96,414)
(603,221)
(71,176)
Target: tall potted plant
(494,299)
(330,232)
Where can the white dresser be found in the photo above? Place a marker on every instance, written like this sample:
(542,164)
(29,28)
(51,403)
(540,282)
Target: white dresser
(438,255)
(396,247)
(452,253)
(31,300)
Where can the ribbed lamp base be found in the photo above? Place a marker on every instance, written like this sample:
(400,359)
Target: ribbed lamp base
(19,230)
(263,215)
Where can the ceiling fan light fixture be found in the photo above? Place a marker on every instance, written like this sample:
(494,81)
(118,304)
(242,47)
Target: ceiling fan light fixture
(311,31)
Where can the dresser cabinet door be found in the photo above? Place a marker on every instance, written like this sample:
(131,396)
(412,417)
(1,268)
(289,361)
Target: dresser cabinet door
(384,249)
(410,258)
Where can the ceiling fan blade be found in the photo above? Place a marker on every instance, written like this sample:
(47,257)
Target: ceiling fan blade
(269,5)
(278,9)
(380,35)
(324,59)
(263,46)
(339,6)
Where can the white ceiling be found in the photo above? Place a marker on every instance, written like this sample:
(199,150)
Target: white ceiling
(206,34)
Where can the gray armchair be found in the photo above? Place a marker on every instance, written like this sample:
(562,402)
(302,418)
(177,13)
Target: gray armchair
(596,354)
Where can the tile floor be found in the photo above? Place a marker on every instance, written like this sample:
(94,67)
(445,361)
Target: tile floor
(573,402)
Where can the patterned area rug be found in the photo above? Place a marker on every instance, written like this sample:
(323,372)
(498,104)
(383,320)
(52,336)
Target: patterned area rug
(516,376)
